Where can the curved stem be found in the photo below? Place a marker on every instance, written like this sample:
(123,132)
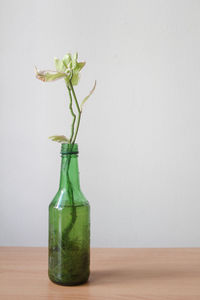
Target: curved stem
(79,112)
(72,141)
(70,190)
(73,115)
(77,127)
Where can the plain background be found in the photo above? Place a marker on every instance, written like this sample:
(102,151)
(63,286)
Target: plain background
(139,136)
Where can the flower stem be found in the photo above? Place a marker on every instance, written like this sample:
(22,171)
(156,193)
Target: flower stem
(77,127)
(72,141)
(79,112)
(73,115)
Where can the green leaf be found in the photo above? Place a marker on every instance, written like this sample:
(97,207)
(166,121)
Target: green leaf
(59,138)
(75,78)
(79,66)
(67,60)
(76,71)
(52,77)
(74,60)
(86,98)
(60,67)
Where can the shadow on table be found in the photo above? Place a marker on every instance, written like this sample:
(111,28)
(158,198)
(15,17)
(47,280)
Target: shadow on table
(123,275)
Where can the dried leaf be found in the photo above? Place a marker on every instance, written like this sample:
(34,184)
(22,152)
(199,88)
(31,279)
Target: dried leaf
(86,98)
(59,138)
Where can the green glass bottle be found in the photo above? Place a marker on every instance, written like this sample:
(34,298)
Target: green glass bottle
(69,225)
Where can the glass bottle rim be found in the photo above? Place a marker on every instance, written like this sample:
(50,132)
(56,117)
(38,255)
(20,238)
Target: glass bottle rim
(67,149)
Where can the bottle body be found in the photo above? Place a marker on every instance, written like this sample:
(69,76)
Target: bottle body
(69,229)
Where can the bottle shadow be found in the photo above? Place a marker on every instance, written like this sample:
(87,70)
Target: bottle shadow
(116,276)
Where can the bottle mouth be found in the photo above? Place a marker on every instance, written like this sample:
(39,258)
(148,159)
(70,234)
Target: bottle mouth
(68,149)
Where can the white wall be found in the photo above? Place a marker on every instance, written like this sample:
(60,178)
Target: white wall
(139,138)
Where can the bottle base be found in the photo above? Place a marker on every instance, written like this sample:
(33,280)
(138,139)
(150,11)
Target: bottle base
(69,283)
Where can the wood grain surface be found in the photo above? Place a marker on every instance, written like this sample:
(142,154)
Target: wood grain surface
(116,274)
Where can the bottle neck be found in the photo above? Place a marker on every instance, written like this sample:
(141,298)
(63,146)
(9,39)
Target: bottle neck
(69,173)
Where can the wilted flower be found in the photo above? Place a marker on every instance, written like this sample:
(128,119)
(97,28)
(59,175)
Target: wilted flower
(67,68)
(48,75)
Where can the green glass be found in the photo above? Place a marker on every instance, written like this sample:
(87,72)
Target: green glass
(69,225)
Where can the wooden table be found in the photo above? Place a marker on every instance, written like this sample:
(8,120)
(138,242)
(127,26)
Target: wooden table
(136,274)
